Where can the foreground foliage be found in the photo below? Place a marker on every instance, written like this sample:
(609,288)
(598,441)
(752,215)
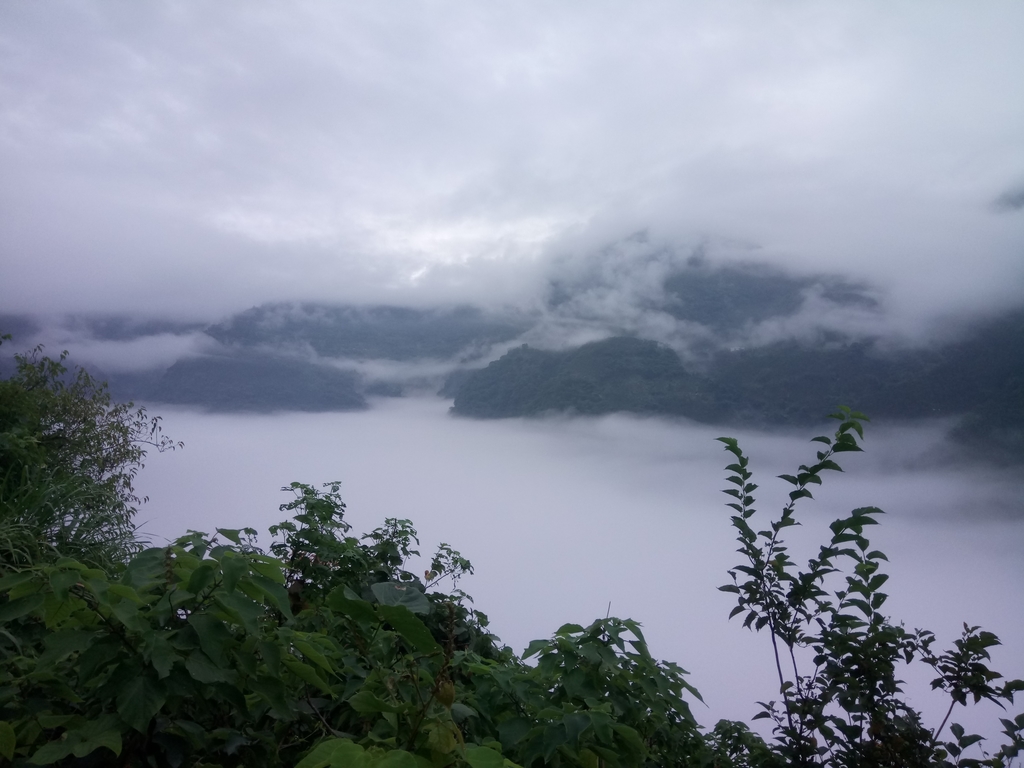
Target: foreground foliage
(326,650)
(846,707)
(68,460)
(211,651)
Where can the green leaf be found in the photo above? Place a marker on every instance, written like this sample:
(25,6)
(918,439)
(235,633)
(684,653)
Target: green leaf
(406,595)
(233,567)
(273,690)
(231,534)
(461,712)
(201,578)
(332,752)
(575,724)
(60,644)
(139,701)
(275,593)
(365,702)
(569,629)
(15,609)
(314,655)
(160,654)
(306,673)
(246,611)
(360,610)
(97,657)
(630,737)
(12,580)
(48,754)
(554,737)
(396,758)
(126,593)
(214,636)
(202,669)
(410,628)
(104,732)
(8,741)
(268,567)
(483,757)
(512,731)
(127,613)
(62,581)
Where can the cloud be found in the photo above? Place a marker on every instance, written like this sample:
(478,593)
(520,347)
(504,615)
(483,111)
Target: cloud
(1010,200)
(195,160)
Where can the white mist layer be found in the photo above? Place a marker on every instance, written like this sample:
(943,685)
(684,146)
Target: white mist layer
(563,517)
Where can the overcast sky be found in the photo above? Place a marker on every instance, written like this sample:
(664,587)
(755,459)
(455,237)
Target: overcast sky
(193,159)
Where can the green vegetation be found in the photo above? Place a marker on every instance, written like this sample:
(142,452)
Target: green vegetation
(257,383)
(327,650)
(847,707)
(620,374)
(68,459)
(980,379)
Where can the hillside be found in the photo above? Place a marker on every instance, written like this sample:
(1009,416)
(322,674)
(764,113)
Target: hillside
(979,378)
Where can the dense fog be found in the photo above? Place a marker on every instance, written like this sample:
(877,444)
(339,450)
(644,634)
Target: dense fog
(561,517)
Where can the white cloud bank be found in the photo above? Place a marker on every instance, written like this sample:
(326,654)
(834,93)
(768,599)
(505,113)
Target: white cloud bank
(191,159)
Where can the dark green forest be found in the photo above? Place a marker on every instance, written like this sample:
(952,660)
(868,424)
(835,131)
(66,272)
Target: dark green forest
(979,379)
(323,648)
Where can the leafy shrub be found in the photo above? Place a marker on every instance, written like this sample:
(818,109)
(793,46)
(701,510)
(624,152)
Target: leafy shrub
(846,708)
(68,461)
(211,651)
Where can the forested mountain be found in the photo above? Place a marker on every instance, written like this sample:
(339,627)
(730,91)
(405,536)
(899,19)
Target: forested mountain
(980,377)
(256,383)
(735,343)
(617,374)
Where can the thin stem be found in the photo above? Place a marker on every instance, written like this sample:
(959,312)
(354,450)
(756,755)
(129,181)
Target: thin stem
(943,723)
(782,680)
